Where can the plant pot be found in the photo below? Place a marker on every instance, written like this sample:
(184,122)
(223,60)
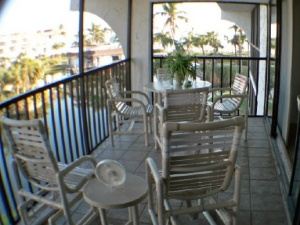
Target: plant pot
(179,80)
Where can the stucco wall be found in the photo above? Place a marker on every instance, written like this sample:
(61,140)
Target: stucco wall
(140,45)
(114,12)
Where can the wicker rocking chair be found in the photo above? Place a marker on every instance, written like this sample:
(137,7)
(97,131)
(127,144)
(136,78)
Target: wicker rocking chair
(54,185)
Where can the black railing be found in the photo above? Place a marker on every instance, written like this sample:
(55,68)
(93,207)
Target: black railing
(220,71)
(74,114)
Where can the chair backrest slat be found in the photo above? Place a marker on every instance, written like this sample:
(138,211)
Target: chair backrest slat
(31,150)
(185,105)
(198,158)
(113,91)
(240,84)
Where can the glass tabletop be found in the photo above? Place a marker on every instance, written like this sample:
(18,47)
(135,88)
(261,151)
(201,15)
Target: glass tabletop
(170,85)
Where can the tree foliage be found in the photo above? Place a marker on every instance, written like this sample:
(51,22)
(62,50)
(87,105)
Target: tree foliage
(172,16)
(238,39)
(24,73)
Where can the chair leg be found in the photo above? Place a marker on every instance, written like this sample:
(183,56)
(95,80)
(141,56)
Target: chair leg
(246,120)
(68,216)
(110,121)
(67,213)
(145,119)
(150,124)
(246,127)
(155,128)
(23,214)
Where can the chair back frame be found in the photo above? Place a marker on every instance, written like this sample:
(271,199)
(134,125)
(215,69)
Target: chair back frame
(31,150)
(198,162)
(185,105)
(198,159)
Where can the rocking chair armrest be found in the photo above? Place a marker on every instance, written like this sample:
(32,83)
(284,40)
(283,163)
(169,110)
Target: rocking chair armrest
(138,93)
(132,100)
(71,167)
(229,96)
(152,171)
(209,111)
(153,174)
(160,109)
(220,89)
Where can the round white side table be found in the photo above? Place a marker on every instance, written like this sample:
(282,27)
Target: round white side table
(102,197)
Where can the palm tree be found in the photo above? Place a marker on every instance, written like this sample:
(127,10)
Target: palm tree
(188,41)
(173,15)
(28,72)
(213,41)
(163,38)
(242,39)
(200,41)
(96,34)
(234,40)
(238,39)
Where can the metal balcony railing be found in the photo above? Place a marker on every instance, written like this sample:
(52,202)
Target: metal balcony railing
(220,71)
(75,116)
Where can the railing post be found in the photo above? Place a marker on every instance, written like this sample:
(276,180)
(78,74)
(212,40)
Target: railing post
(82,83)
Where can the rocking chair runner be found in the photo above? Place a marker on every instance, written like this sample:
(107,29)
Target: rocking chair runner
(198,162)
(54,185)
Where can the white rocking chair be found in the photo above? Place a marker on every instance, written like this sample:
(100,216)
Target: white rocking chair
(54,185)
(121,107)
(231,101)
(198,162)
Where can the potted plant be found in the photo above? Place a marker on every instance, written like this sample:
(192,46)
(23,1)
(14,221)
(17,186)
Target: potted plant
(180,66)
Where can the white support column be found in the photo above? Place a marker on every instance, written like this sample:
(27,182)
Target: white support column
(262,64)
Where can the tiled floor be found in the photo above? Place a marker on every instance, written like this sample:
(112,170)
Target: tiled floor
(261,200)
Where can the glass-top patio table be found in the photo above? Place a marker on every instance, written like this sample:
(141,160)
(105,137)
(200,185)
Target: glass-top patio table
(166,85)
(160,86)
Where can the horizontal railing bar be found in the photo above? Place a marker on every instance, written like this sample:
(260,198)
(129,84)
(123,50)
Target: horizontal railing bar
(220,57)
(56,83)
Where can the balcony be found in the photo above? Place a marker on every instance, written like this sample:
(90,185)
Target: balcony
(74,113)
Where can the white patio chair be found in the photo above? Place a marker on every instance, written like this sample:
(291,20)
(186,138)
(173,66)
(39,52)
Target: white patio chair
(124,108)
(181,105)
(198,162)
(54,185)
(231,100)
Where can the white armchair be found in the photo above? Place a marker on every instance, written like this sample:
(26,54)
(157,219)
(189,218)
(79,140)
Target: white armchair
(230,101)
(54,185)
(198,161)
(184,105)
(124,108)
